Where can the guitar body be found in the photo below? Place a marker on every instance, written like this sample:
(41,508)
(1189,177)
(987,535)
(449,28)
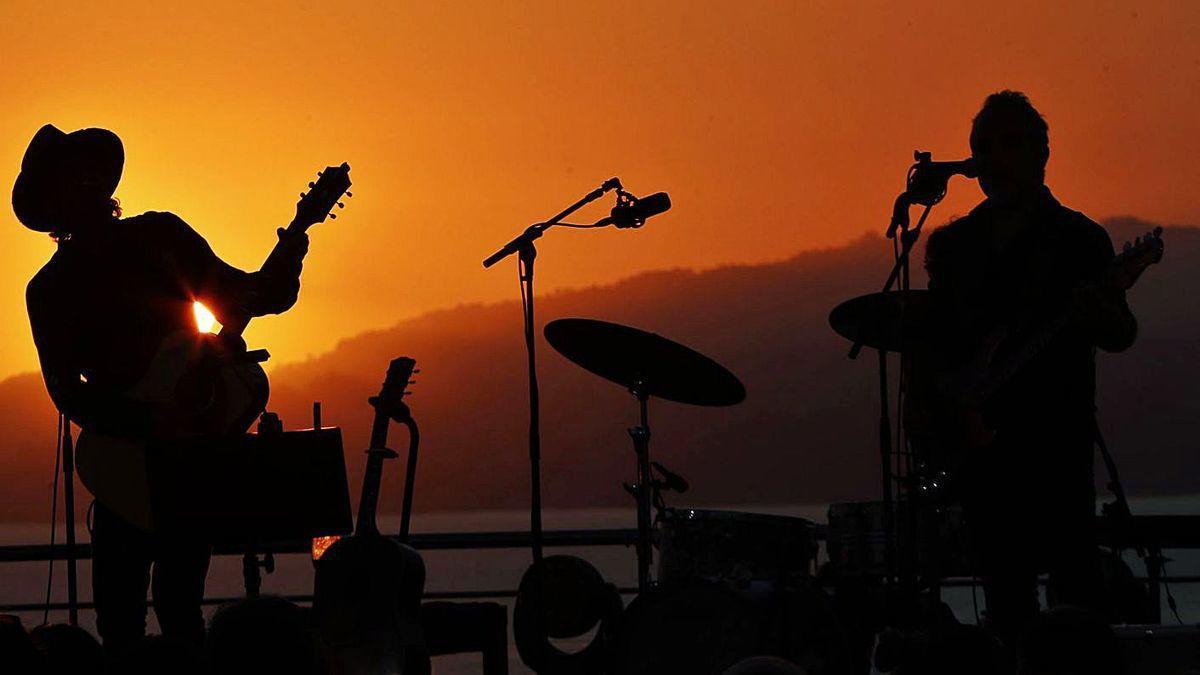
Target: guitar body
(219,391)
(368,588)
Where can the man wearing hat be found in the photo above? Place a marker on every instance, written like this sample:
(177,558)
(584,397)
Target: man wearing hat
(114,289)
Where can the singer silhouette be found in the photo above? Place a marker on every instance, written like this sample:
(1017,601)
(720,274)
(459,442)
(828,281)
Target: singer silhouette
(111,293)
(1017,259)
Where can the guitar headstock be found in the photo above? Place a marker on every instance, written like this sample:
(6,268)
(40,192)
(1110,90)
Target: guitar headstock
(391,395)
(323,195)
(1136,256)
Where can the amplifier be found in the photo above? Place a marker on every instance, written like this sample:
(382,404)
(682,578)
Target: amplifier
(277,486)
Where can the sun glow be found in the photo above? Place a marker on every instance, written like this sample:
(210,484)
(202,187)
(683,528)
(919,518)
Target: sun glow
(205,321)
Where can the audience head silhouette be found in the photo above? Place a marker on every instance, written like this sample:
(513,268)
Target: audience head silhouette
(68,650)
(261,635)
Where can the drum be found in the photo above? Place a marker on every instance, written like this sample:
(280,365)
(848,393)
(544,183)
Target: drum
(706,628)
(747,552)
(857,545)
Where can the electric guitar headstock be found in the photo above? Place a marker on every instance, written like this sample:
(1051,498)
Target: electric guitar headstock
(390,400)
(322,197)
(1135,257)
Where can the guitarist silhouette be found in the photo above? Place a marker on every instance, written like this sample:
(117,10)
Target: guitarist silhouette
(1012,265)
(112,293)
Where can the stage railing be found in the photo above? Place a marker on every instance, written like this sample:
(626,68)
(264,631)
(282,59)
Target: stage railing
(1167,532)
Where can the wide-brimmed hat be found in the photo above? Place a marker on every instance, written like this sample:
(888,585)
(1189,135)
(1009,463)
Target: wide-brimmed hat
(90,159)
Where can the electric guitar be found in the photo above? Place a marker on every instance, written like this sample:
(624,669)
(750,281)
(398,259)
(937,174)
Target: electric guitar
(970,389)
(216,386)
(368,587)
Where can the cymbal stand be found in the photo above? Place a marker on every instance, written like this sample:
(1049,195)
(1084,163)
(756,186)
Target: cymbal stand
(645,488)
(522,245)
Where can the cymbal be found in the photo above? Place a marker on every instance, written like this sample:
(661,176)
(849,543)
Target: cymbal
(890,321)
(629,357)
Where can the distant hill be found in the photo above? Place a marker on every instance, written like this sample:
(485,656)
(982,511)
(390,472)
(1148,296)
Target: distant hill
(806,432)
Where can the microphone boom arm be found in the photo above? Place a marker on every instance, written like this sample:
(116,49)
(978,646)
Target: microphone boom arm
(534,232)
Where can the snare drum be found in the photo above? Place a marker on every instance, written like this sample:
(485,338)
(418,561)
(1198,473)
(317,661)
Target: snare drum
(746,552)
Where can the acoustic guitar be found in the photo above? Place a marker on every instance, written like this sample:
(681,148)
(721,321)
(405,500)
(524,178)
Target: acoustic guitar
(368,588)
(217,385)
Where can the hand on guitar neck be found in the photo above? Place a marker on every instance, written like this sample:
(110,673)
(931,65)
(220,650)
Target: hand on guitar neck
(283,264)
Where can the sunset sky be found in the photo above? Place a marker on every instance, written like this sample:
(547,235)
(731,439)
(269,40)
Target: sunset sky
(775,126)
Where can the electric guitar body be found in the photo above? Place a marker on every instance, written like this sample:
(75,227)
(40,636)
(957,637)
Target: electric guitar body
(963,396)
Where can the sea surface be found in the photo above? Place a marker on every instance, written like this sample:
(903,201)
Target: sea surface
(501,569)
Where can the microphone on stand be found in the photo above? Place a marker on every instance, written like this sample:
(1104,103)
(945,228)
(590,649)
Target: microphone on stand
(926,185)
(927,179)
(631,212)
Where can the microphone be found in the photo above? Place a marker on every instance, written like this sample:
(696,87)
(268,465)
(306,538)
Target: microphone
(634,212)
(927,180)
(927,183)
(963,167)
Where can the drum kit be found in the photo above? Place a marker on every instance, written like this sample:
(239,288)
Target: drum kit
(752,575)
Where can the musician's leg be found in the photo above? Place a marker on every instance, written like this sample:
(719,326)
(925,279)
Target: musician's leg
(1009,577)
(1073,559)
(998,522)
(180,570)
(120,574)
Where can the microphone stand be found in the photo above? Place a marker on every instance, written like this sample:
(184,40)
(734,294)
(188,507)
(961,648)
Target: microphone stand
(926,193)
(522,245)
(68,467)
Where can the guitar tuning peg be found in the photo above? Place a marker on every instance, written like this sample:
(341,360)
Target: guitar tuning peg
(341,205)
(412,381)
(333,215)
(320,173)
(416,371)
(310,184)
(303,195)
(407,392)
(349,194)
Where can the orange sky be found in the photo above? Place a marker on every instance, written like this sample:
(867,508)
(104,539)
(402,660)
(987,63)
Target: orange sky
(775,126)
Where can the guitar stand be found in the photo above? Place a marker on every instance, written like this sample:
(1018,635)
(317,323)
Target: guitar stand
(268,424)
(251,577)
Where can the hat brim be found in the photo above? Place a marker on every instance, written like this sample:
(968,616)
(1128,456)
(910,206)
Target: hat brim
(96,154)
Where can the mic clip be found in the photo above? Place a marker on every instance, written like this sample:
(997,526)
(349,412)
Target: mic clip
(925,187)
(625,203)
